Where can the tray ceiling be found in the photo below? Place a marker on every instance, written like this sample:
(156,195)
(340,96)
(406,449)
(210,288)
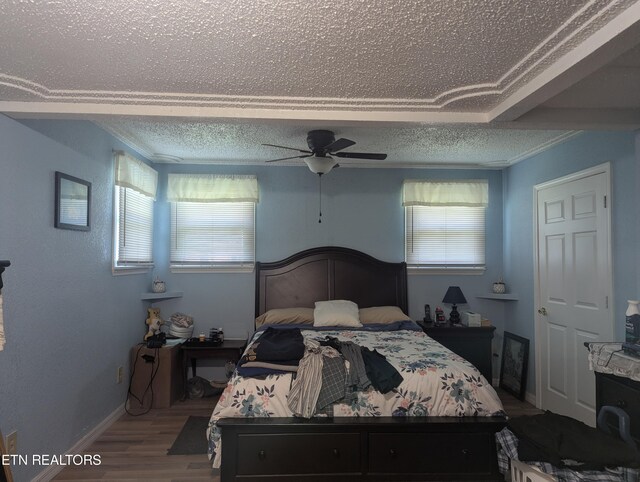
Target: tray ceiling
(149,70)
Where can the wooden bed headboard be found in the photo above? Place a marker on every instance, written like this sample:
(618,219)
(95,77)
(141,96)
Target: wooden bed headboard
(330,273)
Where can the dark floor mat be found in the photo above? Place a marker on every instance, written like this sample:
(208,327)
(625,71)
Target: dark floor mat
(192,439)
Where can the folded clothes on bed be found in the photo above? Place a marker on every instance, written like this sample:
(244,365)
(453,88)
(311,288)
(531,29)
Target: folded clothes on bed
(274,352)
(307,386)
(259,372)
(352,353)
(274,345)
(287,366)
(334,386)
(384,377)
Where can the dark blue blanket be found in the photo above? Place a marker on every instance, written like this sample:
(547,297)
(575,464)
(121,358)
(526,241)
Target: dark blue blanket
(395,326)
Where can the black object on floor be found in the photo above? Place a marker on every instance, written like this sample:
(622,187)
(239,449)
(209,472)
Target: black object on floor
(192,439)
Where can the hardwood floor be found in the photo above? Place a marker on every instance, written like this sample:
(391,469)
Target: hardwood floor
(135,448)
(515,407)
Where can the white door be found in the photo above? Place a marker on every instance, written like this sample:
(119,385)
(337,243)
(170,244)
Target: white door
(573,289)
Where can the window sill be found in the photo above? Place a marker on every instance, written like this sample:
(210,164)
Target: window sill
(212,269)
(120,271)
(417,270)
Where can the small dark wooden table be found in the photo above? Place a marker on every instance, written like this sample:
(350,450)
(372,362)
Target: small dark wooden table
(227,350)
(471,343)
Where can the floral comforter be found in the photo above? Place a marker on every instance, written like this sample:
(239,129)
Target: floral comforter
(437,382)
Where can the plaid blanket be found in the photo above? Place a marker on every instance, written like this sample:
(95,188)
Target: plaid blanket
(507,444)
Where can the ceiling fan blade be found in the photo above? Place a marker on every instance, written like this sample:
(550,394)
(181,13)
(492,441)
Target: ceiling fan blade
(285,147)
(339,145)
(285,158)
(360,155)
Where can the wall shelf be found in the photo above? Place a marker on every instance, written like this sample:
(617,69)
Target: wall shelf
(168,295)
(502,297)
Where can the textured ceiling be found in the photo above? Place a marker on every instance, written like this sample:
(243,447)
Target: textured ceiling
(428,82)
(212,142)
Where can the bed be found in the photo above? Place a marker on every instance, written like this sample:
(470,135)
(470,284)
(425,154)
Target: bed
(402,435)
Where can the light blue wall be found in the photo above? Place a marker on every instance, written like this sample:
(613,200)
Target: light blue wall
(68,322)
(584,151)
(361,210)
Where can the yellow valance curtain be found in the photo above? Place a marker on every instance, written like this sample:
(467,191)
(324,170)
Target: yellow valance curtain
(445,193)
(212,188)
(136,175)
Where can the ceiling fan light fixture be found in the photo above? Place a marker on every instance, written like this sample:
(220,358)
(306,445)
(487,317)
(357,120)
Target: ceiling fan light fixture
(320,165)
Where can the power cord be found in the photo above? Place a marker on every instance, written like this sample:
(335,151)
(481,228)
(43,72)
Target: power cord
(155,360)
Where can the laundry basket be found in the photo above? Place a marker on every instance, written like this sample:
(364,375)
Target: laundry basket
(521,472)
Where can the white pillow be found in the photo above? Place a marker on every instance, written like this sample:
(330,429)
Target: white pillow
(336,313)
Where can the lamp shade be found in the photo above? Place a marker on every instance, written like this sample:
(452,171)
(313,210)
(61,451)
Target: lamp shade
(454,296)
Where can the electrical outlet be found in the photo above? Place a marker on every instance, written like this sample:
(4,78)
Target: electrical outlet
(119,374)
(12,443)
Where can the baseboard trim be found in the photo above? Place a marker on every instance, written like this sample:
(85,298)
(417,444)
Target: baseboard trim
(531,398)
(52,470)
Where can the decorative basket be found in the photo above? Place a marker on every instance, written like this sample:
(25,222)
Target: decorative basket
(158,286)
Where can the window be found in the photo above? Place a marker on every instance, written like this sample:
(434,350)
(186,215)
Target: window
(212,221)
(445,224)
(135,192)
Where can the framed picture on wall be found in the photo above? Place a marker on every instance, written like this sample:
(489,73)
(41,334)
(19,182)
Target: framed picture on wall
(515,360)
(73,202)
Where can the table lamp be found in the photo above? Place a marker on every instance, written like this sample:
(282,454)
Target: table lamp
(454,296)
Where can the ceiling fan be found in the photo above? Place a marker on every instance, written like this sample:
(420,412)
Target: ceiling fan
(323,148)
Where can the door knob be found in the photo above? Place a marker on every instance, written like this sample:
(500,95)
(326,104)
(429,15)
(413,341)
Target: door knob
(543,311)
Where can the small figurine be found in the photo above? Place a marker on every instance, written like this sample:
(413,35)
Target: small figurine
(427,314)
(154,322)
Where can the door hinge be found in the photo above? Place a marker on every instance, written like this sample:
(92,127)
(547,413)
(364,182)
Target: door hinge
(606,302)
(605,202)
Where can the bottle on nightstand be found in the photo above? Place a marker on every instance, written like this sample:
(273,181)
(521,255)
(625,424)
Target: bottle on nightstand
(440,318)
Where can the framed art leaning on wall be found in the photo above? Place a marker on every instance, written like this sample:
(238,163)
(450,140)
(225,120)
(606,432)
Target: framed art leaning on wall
(73,203)
(5,469)
(515,361)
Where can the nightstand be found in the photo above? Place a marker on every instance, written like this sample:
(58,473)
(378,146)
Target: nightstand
(471,343)
(228,350)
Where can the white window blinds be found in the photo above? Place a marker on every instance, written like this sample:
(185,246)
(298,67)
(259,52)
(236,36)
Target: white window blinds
(445,224)
(134,228)
(135,192)
(212,221)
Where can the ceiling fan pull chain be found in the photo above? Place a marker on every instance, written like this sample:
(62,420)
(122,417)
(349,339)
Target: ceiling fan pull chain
(320,198)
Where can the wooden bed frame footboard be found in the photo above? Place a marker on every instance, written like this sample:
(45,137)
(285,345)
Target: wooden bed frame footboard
(376,448)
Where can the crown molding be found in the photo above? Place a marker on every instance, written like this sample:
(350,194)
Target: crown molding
(96,110)
(128,139)
(543,147)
